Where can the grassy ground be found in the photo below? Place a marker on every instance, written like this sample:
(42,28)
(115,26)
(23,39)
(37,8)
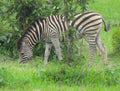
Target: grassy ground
(58,76)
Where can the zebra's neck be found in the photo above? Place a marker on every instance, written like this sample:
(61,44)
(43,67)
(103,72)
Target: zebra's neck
(34,33)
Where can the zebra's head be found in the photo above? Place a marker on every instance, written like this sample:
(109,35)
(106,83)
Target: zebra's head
(25,52)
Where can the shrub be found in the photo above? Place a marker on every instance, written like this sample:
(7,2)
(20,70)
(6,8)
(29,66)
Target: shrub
(8,43)
(19,14)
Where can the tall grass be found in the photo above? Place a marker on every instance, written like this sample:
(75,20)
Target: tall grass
(33,76)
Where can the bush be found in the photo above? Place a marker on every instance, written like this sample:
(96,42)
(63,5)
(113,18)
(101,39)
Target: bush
(116,41)
(16,15)
(8,43)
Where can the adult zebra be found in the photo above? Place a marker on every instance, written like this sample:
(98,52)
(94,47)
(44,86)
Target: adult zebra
(88,25)
(49,29)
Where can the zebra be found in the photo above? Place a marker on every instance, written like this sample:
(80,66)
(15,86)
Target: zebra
(88,25)
(49,29)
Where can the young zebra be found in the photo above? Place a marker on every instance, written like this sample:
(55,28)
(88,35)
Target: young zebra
(88,25)
(49,29)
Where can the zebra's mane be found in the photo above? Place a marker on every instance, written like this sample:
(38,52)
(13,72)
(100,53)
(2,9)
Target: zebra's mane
(19,42)
(39,18)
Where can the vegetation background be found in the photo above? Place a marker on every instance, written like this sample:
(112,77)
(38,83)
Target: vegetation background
(73,75)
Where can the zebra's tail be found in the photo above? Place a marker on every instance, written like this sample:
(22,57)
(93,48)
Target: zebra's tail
(106,26)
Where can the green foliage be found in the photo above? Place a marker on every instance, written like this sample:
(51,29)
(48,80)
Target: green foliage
(8,43)
(116,41)
(71,50)
(84,4)
(16,15)
(27,10)
(78,76)
(9,32)
(69,9)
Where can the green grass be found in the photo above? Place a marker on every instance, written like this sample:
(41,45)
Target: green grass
(108,9)
(58,76)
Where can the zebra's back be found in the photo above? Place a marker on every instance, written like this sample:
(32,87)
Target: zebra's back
(57,26)
(87,23)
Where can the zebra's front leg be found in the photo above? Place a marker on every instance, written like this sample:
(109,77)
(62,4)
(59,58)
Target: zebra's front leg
(56,44)
(47,52)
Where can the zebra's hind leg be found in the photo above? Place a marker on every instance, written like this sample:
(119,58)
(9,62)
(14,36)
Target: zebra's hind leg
(92,47)
(102,50)
(47,52)
(92,53)
(56,44)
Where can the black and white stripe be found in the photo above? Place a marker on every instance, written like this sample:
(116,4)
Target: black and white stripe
(49,29)
(88,26)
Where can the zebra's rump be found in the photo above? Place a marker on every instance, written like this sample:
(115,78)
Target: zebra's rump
(86,20)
